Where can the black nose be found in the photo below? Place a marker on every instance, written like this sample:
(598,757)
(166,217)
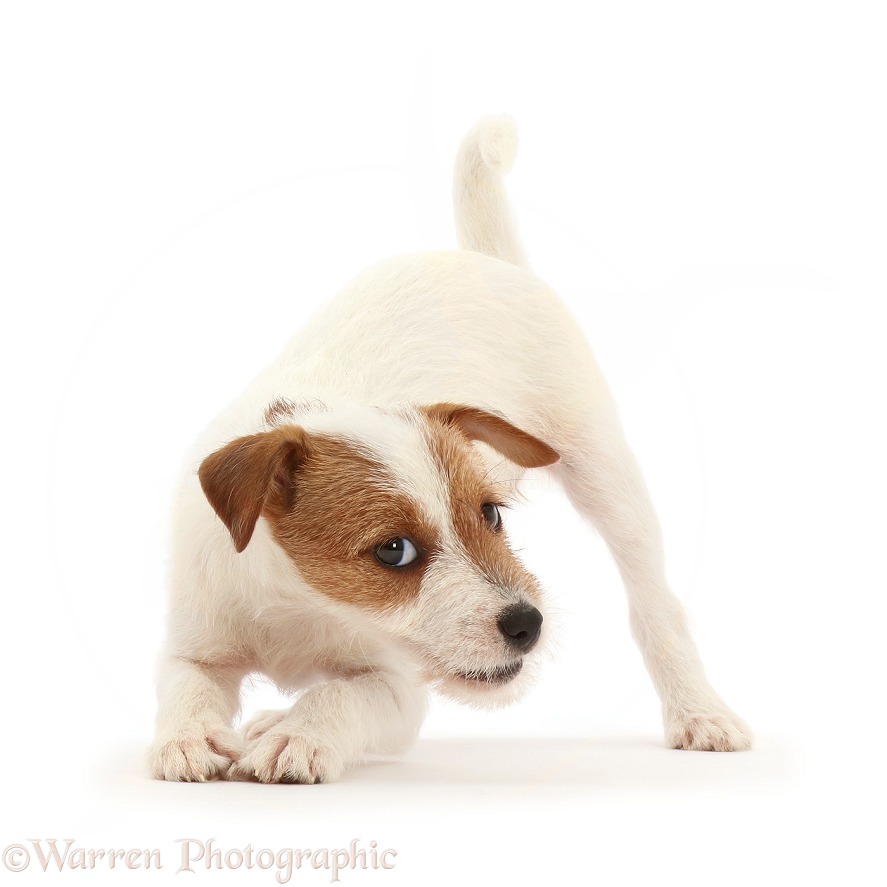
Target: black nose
(521,626)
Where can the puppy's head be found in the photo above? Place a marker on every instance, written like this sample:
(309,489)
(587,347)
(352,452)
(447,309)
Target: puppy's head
(398,513)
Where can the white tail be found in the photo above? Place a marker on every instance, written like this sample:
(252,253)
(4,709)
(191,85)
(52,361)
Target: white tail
(484,221)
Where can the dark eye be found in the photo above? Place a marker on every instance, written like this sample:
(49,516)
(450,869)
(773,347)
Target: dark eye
(491,515)
(396,552)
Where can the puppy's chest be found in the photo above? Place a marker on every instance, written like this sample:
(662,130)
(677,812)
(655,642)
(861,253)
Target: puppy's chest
(296,653)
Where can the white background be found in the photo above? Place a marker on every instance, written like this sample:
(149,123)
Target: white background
(182,183)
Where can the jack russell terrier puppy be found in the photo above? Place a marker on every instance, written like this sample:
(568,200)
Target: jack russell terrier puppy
(341,532)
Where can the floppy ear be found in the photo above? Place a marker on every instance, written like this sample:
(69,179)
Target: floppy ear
(244,476)
(520,447)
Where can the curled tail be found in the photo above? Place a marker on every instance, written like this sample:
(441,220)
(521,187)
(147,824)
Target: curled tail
(483,216)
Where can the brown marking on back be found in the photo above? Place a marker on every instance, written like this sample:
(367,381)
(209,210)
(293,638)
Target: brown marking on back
(277,409)
(284,408)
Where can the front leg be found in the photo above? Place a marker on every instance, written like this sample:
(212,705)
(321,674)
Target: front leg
(194,740)
(332,726)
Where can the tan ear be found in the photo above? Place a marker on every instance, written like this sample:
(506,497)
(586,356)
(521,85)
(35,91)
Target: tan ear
(521,448)
(244,476)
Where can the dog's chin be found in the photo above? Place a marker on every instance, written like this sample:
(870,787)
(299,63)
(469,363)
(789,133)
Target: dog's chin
(487,688)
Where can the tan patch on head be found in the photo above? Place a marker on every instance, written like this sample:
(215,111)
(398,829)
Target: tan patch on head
(470,489)
(343,506)
(329,506)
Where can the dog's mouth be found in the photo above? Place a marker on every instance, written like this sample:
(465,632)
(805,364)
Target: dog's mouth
(492,676)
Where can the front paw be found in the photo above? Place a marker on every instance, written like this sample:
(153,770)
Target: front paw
(708,730)
(259,725)
(194,756)
(279,756)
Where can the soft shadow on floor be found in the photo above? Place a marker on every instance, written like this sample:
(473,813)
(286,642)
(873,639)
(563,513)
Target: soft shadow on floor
(603,764)
(498,769)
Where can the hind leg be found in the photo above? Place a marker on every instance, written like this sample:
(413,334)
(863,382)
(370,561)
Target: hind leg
(602,479)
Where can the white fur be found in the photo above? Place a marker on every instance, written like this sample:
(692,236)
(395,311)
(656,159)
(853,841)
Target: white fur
(483,218)
(472,327)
